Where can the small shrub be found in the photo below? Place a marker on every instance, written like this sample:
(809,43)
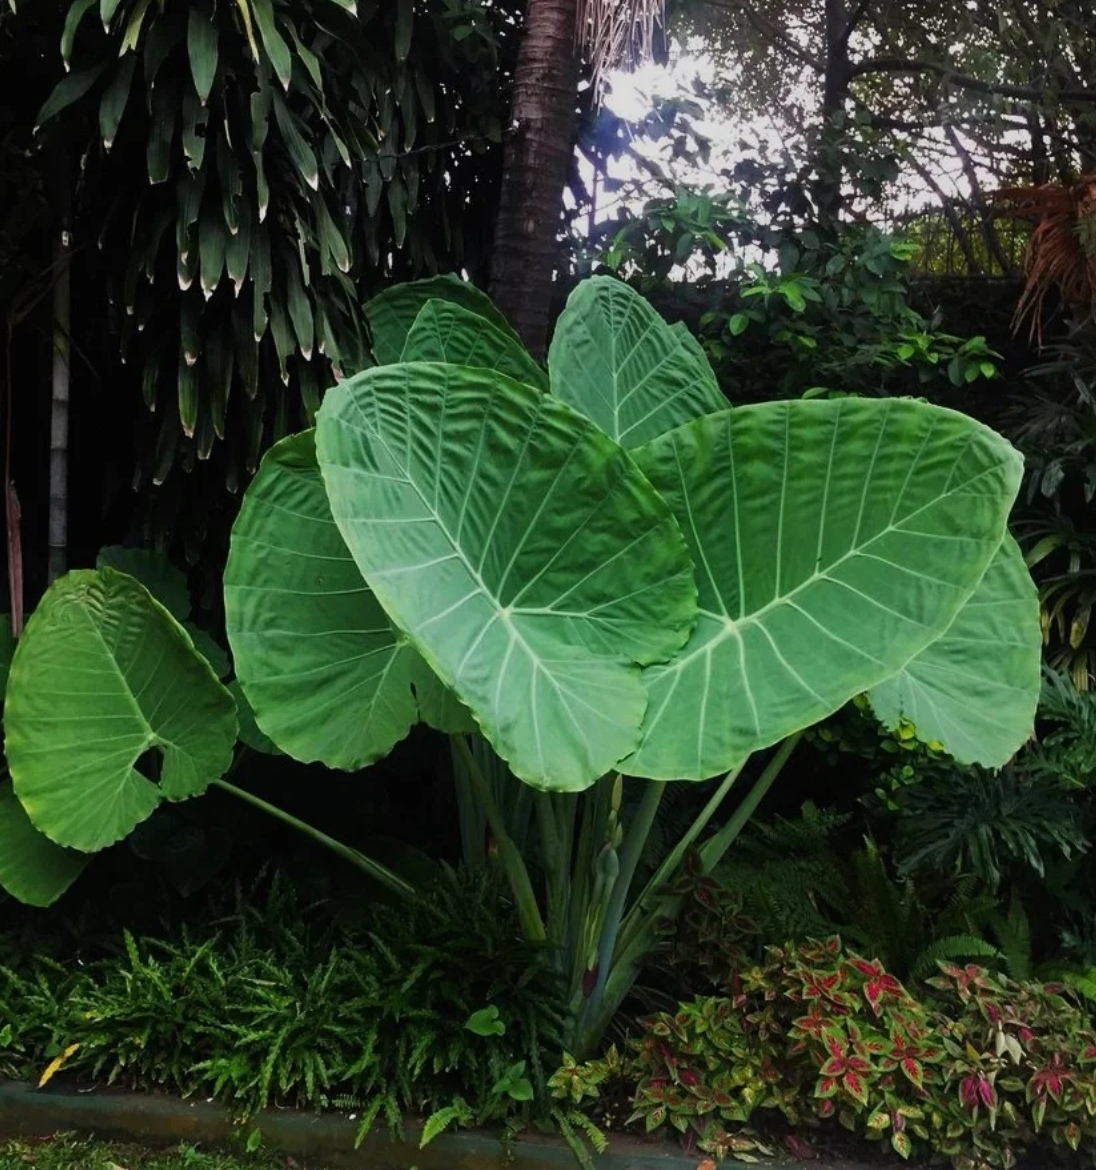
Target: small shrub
(1021,1060)
(978,1073)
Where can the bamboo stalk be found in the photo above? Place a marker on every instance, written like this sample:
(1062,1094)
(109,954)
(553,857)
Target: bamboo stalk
(59,408)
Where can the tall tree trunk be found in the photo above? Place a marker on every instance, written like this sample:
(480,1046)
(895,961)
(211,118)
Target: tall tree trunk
(543,124)
(835,96)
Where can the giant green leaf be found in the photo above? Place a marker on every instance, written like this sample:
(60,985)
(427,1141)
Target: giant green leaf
(975,689)
(393,312)
(155,572)
(833,542)
(326,675)
(448,332)
(616,361)
(105,691)
(32,868)
(519,548)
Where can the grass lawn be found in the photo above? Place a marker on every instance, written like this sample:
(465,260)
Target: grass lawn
(76,1153)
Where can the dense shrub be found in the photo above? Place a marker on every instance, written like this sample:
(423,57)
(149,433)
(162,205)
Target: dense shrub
(436,1008)
(978,1068)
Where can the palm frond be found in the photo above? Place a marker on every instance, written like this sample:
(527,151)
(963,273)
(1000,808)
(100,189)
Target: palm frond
(618,33)
(1062,250)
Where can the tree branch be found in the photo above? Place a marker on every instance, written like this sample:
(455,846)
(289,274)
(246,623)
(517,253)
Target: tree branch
(947,208)
(975,84)
(853,21)
(989,231)
(767,29)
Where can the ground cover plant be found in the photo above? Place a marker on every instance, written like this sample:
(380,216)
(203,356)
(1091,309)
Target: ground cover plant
(438,1010)
(69,1152)
(599,568)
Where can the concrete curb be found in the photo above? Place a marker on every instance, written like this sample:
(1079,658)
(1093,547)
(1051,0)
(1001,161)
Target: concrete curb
(28,1112)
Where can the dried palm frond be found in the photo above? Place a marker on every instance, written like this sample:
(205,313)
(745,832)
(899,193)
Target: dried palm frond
(1062,250)
(617,33)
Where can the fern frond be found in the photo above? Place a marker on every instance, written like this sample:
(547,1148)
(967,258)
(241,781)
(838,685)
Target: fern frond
(953,947)
(577,1129)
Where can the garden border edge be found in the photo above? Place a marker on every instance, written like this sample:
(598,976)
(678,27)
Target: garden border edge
(29,1112)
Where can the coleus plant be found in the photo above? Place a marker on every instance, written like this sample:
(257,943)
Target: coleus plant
(814,1032)
(604,571)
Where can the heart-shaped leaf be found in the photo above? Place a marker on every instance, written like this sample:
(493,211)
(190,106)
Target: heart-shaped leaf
(448,332)
(327,676)
(392,313)
(518,547)
(32,868)
(109,711)
(615,360)
(155,572)
(975,689)
(834,541)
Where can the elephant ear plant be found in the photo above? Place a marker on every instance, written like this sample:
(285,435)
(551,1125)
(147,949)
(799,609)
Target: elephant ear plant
(607,573)
(596,579)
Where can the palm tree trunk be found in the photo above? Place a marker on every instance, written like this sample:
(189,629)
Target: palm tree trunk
(543,123)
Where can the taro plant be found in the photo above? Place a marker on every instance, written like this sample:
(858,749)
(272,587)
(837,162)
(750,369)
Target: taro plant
(582,574)
(604,572)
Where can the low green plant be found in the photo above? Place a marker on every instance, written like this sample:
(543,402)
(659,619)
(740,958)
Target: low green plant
(71,1152)
(988,824)
(836,308)
(977,1071)
(438,1008)
(1023,1059)
(796,878)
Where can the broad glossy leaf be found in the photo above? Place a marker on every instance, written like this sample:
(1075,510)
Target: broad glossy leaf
(393,312)
(695,350)
(155,572)
(32,868)
(103,679)
(833,542)
(210,649)
(975,689)
(448,332)
(518,547)
(326,675)
(251,734)
(616,361)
